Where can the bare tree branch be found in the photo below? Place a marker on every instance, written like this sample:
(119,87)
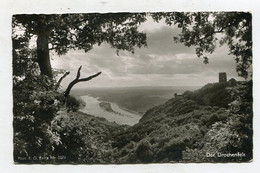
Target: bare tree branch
(77,80)
(78,73)
(62,77)
(89,78)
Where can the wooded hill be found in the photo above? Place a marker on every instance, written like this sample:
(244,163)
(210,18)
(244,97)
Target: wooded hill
(184,129)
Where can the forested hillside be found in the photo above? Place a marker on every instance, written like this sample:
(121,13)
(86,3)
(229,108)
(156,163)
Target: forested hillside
(185,130)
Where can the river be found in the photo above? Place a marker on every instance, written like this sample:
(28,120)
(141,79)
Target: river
(92,107)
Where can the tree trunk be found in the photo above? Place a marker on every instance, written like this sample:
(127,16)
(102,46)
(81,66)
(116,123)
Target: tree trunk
(43,55)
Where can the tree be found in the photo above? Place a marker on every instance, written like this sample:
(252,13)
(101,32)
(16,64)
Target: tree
(61,32)
(205,30)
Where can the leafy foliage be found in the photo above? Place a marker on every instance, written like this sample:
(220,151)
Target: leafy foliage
(206,30)
(183,130)
(85,139)
(216,94)
(82,31)
(23,58)
(35,105)
(46,125)
(224,139)
(63,32)
(232,136)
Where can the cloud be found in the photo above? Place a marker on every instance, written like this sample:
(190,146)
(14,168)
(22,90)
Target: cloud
(151,26)
(163,62)
(161,42)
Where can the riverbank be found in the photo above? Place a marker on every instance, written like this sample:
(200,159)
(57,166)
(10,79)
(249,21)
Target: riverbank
(118,115)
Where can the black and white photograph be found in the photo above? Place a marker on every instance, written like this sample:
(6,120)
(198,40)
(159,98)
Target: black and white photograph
(132,87)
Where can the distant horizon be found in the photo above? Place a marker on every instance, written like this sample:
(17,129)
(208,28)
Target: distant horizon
(134,87)
(142,86)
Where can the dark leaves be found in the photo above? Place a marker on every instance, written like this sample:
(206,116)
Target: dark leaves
(82,31)
(200,29)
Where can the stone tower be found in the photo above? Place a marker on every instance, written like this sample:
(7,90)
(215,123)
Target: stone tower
(222,77)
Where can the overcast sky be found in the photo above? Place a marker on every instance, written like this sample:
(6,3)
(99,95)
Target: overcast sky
(162,63)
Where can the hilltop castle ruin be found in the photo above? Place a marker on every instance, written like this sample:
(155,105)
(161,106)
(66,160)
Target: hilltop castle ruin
(222,77)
